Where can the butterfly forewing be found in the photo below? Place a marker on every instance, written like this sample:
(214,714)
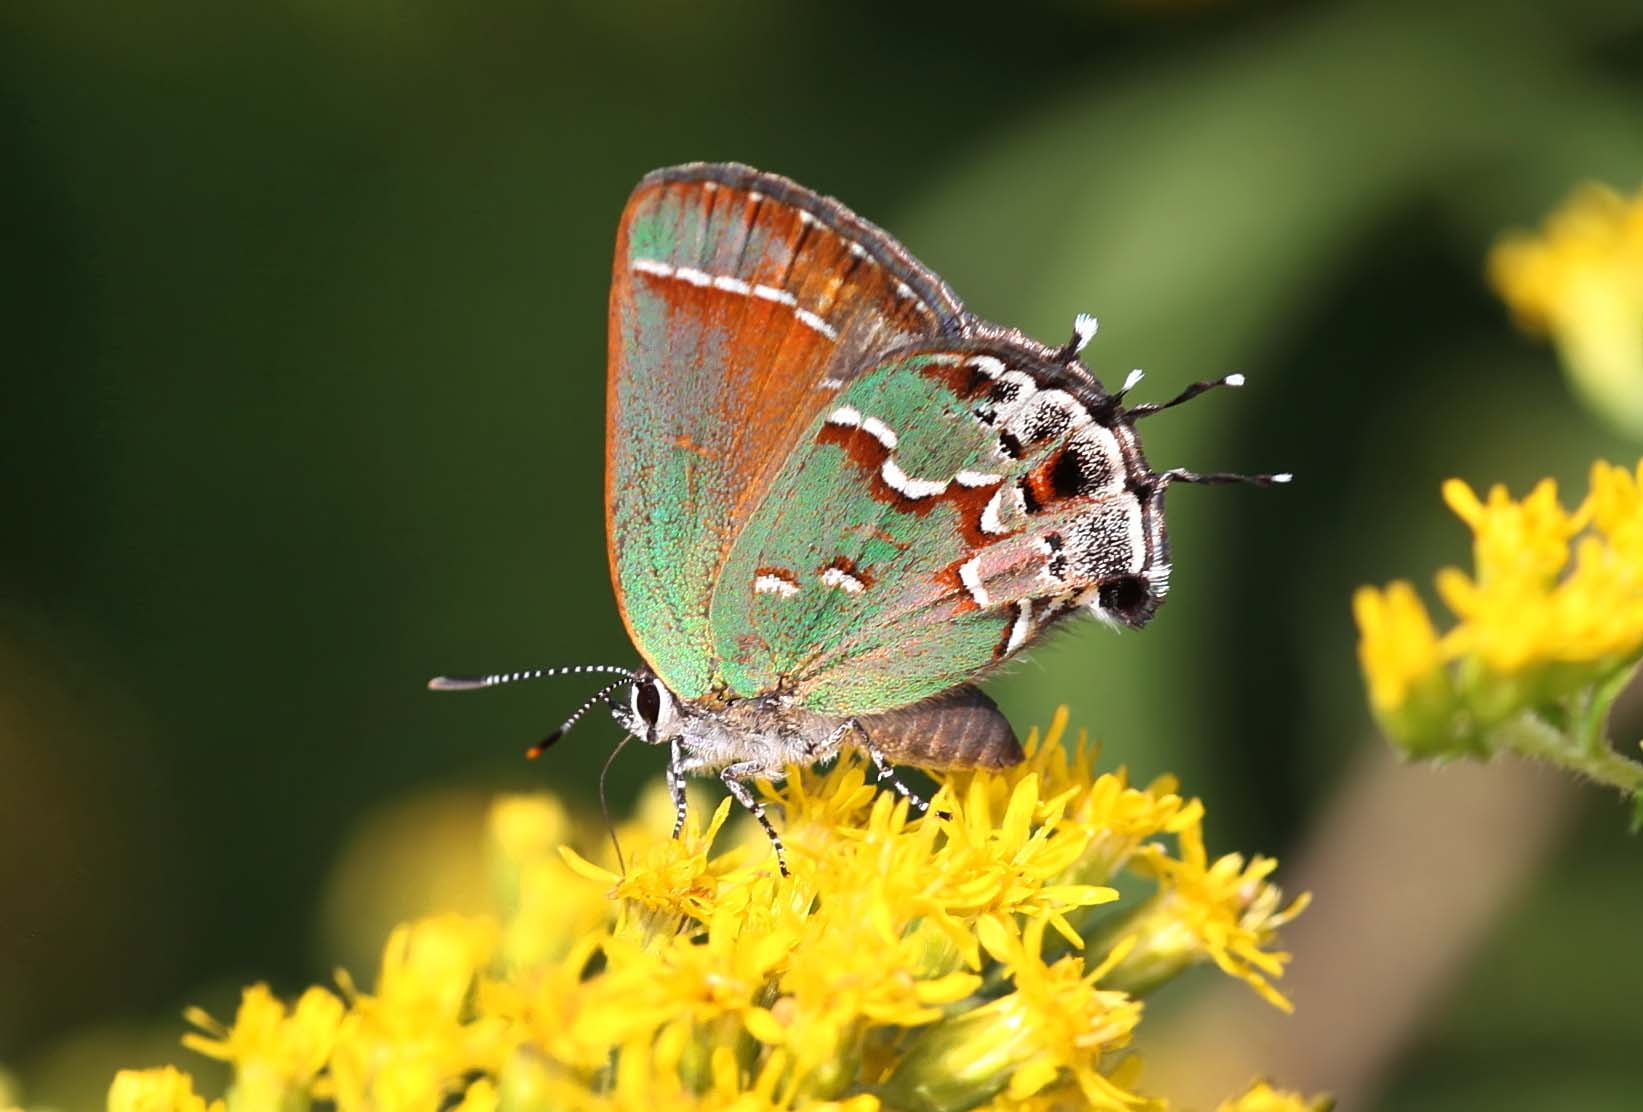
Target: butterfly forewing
(742,305)
(947,506)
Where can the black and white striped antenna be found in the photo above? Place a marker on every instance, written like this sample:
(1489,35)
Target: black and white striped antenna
(1181,474)
(475,683)
(541,747)
(497,679)
(1147,409)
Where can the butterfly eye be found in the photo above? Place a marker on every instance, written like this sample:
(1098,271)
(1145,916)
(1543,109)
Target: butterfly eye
(1127,598)
(647,702)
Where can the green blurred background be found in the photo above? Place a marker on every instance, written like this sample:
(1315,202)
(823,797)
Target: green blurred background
(304,312)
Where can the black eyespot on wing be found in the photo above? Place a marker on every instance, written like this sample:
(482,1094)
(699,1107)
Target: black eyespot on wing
(1067,475)
(1127,598)
(648,702)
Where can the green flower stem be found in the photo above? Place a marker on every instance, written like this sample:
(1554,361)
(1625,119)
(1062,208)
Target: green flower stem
(1530,735)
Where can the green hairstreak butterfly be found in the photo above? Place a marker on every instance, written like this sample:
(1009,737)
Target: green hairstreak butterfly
(834,497)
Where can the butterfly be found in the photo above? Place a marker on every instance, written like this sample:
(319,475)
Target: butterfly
(834,497)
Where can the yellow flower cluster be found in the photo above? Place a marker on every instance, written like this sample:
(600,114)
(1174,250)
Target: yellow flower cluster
(1581,280)
(962,960)
(1552,614)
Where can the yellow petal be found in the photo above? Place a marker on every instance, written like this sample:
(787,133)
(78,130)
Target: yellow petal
(581,866)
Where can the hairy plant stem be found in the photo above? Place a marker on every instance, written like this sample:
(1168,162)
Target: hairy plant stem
(1579,749)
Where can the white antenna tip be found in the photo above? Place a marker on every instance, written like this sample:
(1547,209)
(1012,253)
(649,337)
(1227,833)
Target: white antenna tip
(1283,477)
(1132,380)
(458,683)
(1233,380)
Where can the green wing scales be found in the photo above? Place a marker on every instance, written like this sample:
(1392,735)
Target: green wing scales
(948,506)
(740,304)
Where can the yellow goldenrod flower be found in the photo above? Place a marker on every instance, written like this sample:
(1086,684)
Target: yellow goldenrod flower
(1056,1027)
(1549,623)
(1114,817)
(1581,281)
(166,1089)
(903,964)
(1398,648)
(1226,912)
(1520,612)
(412,1043)
(668,883)
(1261,1097)
(1012,865)
(1517,543)
(1616,508)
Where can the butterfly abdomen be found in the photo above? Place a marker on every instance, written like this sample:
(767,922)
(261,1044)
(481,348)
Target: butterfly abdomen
(960,728)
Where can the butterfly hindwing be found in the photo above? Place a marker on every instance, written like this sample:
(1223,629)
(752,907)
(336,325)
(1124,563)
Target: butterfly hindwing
(742,304)
(947,506)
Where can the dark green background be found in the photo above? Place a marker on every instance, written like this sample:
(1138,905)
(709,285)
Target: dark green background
(304,319)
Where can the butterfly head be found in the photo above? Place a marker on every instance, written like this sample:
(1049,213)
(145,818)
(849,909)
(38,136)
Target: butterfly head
(1132,599)
(646,708)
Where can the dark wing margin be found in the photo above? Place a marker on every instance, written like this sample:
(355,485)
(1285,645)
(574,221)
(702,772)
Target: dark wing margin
(951,316)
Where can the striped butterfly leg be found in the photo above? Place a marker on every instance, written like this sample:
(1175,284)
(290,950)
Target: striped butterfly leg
(676,783)
(735,778)
(881,762)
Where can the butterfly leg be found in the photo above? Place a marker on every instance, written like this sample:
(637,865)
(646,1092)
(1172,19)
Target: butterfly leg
(887,771)
(676,784)
(735,778)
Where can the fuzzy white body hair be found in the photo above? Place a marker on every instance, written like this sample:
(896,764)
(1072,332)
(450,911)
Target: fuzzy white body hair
(769,732)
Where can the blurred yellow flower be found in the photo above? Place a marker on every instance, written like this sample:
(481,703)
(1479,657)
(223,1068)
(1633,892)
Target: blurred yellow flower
(1549,622)
(1520,610)
(1398,647)
(1616,508)
(1581,281)
(273,1053)
(1261,1097)
(480,1097)
(413,1043)
(166,1089)
(10,1100)
(545,905)
(908,962)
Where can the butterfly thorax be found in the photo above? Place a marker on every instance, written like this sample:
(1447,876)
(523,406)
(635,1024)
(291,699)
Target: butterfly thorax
(764,734)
